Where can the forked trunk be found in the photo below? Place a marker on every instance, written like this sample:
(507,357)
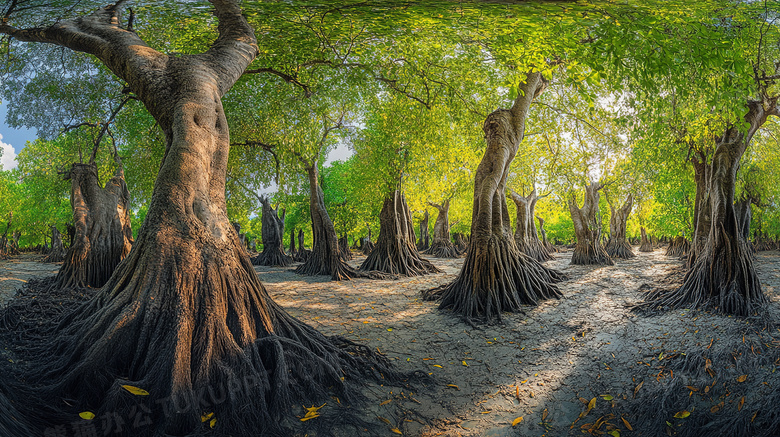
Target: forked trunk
(103,236)
(303,253)
(645,245)
(395,252)
(495,276)
(57,252)
(723,276)
(424,243)
(184,316)
(325,257)
(526,239)
(273,235)
(442,246)
(586,229)
(617,246)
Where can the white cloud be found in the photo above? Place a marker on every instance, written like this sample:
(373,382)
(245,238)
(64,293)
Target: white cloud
(8,157)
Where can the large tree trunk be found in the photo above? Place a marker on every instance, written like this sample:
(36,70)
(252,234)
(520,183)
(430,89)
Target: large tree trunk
(722,275)
(442,246)
(57,252)
(273,237)
(184,316)
(702,213)
(325,257)
(495,276)
(617,246)
(303,253)
(425,239)
(102,220)
(395,252)
(744,215)
(525,228)
(587,230)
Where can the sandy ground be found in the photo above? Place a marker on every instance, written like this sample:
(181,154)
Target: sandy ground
(544,365)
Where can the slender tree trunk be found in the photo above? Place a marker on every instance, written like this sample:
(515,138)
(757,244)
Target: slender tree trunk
(495,276)
(346,253)
(424,243)
(586,229)
(617,246)
(395,252)
(547,245)
(368,245)
(293,252)
(442,246)
(57,253)
(273,236)
(184,316)
(525,228)
(325,257)
(679,247)
(645,245)
(723,276)
(102,220)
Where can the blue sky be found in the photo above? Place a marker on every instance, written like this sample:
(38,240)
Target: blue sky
(11,141)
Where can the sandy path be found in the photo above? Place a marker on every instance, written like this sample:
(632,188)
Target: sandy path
(539,365)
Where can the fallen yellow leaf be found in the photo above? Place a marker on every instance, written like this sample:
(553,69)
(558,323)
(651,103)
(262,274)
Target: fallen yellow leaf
(213,422)
(742,378)
(638,387)
(591,404)
(741,403)
(516,421)
(205,417)
(682,414)
(453,386)
(135,390)
(625,422)
(544,415)
(396,430)
(383,419)
(465,363)
(606,397)
(87,415)
(436,365)
(385,402)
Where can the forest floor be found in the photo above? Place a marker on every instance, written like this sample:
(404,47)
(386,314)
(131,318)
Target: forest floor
(586,363)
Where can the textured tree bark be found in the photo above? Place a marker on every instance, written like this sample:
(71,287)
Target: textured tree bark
(293,252)
(525,228)
(57,252)
(679,247)
(303,253)
(645,245)
(344,249)
(702,213)
(744,215)
(495,276)
(722,275)
(325,257)
(442,246)
(273,235)
(368,245)
(547,245)
(103,236)
(586,229)
(425,239)
(617,246)
(395,252)
(184,316)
